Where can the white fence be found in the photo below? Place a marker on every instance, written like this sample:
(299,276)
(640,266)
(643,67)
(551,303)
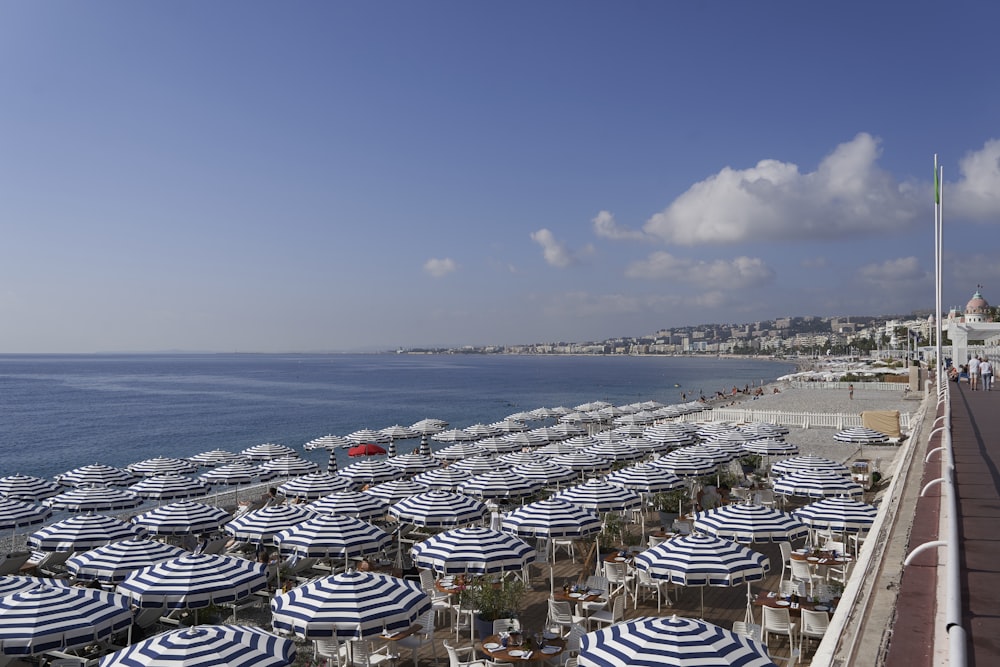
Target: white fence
(901,387)
(836,420)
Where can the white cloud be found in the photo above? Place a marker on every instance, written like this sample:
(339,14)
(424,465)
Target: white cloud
(607,227)
(892,271)
(556,252)
(847,195)
(439,268)
(977,193)
(738,272)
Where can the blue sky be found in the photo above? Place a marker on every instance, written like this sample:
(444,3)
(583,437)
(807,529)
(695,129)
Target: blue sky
(341,176)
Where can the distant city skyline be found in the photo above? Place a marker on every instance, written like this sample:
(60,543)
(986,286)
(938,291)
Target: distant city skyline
(262,177)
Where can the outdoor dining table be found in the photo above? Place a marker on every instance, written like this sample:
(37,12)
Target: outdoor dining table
(493,647)
(771,599)
(822,558)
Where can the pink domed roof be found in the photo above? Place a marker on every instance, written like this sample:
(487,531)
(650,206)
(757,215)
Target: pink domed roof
(977,304)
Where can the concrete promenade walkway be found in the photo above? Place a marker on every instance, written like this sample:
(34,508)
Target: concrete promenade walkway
(976,442)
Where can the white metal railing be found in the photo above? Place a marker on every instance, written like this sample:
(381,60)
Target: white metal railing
(950,540)
(901,387)
(836,420)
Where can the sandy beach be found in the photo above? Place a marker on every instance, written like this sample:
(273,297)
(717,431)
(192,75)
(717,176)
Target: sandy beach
(818,441)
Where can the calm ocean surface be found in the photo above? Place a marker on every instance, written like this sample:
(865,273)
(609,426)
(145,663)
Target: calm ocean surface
(59,412)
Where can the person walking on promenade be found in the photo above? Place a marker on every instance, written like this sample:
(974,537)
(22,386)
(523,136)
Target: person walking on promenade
(986,372)
(973,373)
(850,391)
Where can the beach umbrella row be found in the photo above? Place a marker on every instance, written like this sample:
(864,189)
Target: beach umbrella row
(204,645)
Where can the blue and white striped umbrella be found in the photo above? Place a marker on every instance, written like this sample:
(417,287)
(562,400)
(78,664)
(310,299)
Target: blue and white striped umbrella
(439,509)
(163,465)
(794,463)
(113,562)
(528,439)
(645,479)
(429,426)
(554,449)
(683,464)
(668,435)
(262,525)
(235,474)
(459,451)
(499,484)
(15,514)
(581,442)
(367,435)
(14,583)
(314,485)
(510,460)
(543,434)
(497,445)
(837,514)
(370,471)
(349,605)
(659,641)
(194,581)
(267,451)
(93,499)
(716,455)
(570,429)
(207,646)
(82,532)
(861,435)
(472,551)
(455,435)
(545,472)
(443,479)
(817,484)
(288,466)
(184,517)
(49,618)
(216,457)
(332,535)
(770,447)
(396,490)
(749,523)
(96,473)
(764,430)
(411,464)
(27,488)
(350,503)
(509,426)
(482,431)
(551,519)
(581,461)
(703,560)
(169,487)
(330,442)
(477,465)
(600,496)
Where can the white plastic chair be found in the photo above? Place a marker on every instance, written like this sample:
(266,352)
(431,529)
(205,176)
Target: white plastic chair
(456,655)
(647,584)
(814,626)
(421,637)
(609,616)
(786,557)
(778,621)
(802,571)
(620,579)
(561,615)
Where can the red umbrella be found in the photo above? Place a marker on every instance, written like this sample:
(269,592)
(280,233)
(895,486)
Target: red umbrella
(365,449)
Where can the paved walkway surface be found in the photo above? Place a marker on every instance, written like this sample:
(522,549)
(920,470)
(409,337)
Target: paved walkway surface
(976,442)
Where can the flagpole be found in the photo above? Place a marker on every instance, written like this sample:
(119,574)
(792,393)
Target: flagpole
(938,328)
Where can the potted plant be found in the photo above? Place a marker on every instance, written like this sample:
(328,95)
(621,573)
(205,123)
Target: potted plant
(670,505)
(493,600)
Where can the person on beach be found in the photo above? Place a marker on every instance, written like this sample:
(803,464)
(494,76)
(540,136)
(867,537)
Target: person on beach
(850,391)
(973,373)
(986,373)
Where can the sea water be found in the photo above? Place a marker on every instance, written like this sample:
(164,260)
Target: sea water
(58,412)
